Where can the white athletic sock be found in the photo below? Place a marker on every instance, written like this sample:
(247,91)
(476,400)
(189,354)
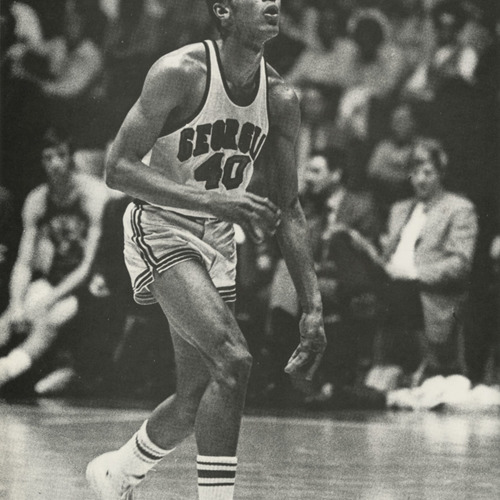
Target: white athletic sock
(139,455)
(16,363)
(216,477)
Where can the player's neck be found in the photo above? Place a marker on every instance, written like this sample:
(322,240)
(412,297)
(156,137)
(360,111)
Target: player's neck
(240,62)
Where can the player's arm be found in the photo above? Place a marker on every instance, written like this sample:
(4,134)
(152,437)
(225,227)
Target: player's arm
(94,207)
(292,233)
(23,268)
(168,85)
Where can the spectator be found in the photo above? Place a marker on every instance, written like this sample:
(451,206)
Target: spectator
(464,116)
(22,116)
(62,227)
(298,21)
(376,65)
(142,31)
(447,57)
(326,62)
(411,28)
(375,70)
(389,166)
(317,127)
(347,285)
(329,205)
(68,69)
(428,251)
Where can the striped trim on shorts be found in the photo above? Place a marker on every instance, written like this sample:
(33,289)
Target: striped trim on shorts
(157,239)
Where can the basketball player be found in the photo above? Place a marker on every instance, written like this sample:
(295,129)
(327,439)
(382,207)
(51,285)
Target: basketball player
(62,221)
(187,150)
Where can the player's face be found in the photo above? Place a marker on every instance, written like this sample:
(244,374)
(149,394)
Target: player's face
(425,178)
(56,162)
(256,20)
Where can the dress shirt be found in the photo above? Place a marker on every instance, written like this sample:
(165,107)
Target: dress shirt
(403,259)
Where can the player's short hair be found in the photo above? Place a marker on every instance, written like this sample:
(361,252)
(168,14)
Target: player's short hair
(53,138)
(436,153)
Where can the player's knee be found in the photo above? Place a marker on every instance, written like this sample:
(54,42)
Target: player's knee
(235,370)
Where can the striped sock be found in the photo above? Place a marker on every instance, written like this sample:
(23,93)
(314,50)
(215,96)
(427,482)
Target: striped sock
(139,454)
(216,476)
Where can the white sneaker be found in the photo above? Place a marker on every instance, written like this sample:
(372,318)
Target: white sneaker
(105,484)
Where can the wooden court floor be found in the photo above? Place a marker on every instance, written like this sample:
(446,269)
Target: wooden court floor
(45,445)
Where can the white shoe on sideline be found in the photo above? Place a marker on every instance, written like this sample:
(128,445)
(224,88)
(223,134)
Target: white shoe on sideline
(105,484)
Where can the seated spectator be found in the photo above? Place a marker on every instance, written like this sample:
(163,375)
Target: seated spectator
(389,166)
(61,231)
(348,281)
(317,126)
(22,116)
(411,28)
(428,252)
(447,57)
(329,205)
(375,70)
(140,33)
(326,62)
(375,64)
(68,69)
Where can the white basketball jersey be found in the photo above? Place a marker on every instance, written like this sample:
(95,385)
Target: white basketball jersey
(216,149)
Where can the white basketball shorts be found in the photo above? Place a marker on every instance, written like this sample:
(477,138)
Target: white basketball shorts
(157,239)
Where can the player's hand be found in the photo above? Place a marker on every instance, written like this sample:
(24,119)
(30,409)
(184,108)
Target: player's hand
(256,215)
(307,357)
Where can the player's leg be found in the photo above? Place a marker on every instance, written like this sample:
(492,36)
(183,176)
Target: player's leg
(180,409)
(191,301)
(116,473)
(207,354)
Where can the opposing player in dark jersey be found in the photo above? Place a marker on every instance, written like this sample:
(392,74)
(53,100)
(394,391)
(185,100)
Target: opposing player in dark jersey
(61,230)
(186,152)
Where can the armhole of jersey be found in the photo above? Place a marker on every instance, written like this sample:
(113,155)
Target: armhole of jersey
(165,130)
(268,106)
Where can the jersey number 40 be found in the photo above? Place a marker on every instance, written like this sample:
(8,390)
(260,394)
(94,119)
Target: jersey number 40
(212,171)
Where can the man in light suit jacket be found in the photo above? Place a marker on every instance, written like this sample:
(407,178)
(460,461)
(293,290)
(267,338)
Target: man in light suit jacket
(428,250)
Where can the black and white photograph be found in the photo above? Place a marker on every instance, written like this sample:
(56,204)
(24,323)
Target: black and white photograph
(250,249)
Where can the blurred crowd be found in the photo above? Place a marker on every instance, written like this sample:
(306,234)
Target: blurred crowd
(398,161)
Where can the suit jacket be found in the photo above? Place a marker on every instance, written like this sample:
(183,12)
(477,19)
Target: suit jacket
(356,211)
(343,271)
(444,253)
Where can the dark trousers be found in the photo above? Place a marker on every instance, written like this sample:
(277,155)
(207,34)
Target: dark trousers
(401,324)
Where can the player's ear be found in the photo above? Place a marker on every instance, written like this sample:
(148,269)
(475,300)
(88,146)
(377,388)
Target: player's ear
(221,11)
